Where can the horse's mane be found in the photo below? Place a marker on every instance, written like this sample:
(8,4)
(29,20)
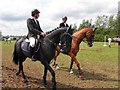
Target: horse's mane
(52,30)
(78,30)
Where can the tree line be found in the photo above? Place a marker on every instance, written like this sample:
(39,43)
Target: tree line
(107,26)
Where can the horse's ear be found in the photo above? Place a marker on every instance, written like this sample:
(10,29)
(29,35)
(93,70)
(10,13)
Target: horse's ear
(94,29)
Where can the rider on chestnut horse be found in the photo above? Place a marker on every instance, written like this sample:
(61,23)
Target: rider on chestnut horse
(65,43)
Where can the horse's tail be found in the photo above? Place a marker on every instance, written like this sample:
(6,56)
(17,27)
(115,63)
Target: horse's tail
(15,57)
(17,50)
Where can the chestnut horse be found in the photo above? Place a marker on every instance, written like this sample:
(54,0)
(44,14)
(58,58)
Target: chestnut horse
(77,38)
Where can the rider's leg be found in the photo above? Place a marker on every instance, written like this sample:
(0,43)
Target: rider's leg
(32,45)
(68,44)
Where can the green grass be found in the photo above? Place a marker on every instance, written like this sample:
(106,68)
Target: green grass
(99,60)
(99,64)
(99,52)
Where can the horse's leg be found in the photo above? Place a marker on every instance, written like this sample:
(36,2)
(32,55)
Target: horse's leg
(55,58)
(20,66)
(21,69)
(44,76)
(52,73)
(56,55)
(23,75)
(77,63)
(71,71)
(71,65)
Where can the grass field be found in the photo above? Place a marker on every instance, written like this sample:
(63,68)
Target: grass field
(99,65)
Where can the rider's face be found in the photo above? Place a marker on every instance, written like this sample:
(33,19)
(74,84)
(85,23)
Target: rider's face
(64,20)
(37,16)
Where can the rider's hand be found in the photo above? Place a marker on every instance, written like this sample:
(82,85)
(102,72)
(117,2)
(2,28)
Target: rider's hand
(43,34)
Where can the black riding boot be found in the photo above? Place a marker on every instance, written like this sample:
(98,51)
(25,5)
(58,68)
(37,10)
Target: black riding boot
(32,53)
(68,44)
(63,47)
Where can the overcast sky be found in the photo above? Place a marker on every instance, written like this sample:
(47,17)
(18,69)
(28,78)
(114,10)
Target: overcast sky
(14,13)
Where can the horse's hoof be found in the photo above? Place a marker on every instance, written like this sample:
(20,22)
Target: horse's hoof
(17,74)
(82,78)
(71,71)
(45,84)
(25,81)
(57,67)
(54,88)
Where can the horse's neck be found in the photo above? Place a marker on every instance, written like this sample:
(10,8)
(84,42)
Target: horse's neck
(80,36)
(52,39)
(55,35)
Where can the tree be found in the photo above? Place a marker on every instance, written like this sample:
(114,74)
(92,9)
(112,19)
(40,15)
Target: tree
(107,26)
(86,24)
(0,33)
(118,17)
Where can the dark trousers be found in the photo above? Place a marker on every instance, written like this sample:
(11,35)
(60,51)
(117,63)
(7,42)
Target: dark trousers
(32,49)
(66,44)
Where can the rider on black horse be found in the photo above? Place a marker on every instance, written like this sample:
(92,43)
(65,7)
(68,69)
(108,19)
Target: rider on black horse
(66,40)
(34,30)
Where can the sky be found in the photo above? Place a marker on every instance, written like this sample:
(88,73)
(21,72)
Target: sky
(14,13)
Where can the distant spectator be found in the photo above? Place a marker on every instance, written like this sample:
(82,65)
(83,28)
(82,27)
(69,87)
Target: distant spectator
(109,41)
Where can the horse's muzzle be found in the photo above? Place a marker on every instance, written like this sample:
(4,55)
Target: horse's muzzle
(90,44)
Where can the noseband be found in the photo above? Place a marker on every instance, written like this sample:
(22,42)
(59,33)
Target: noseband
(91,36)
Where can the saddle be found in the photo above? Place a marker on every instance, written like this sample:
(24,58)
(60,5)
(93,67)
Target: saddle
(25,46)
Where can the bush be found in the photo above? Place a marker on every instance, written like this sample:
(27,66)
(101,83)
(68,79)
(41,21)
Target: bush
(99,38)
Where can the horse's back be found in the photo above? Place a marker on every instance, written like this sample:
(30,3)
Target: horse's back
(18,43)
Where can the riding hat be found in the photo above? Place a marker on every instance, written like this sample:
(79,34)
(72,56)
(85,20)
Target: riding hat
(35,11)
(64,18)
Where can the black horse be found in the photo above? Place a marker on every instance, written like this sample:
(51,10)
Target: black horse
(45,53)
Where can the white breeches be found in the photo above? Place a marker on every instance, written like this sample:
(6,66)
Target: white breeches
(109,43)
(32,41)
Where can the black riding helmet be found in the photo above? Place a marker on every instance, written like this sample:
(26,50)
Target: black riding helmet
(35,11)
(64,18)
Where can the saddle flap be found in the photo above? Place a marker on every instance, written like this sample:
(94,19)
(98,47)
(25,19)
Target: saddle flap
(25,45)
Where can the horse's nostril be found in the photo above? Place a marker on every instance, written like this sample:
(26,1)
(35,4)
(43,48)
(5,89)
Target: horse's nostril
(90,45)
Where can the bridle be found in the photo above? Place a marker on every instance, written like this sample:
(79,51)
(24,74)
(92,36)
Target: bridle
(91,38)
